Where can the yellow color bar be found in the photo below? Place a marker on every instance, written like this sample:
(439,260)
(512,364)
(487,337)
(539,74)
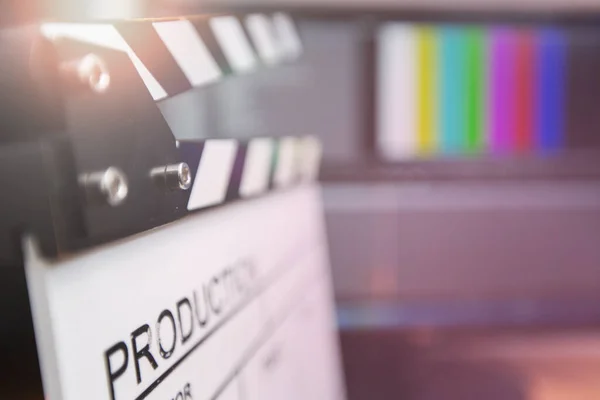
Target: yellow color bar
(426,90)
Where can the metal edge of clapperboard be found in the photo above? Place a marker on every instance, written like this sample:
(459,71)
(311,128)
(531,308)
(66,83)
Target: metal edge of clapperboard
(50,180)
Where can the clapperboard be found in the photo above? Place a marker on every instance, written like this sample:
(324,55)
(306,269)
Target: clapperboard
(147,267)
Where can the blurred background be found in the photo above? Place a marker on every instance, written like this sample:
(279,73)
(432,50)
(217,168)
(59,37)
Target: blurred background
(461,180)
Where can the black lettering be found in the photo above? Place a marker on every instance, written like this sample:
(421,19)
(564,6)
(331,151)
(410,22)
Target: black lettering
(226,279)
(187,391)
(251,269)
(169,315)
(201,319)
(185,335)
(144,351)
(113,375)
(211,298)
(241,278)
(272,358)
(235,282)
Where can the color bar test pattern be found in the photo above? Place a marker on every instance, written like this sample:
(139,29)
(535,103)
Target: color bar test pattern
(448,90)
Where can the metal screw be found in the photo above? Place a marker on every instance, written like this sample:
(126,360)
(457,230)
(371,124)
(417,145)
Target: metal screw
(106,187)
(172,176)
(90,72)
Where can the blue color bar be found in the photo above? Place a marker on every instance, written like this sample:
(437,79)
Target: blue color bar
(552,64)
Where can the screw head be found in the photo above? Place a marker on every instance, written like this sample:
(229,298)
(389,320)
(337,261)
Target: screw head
(184,175)
(105,187)
(93,73)
(172,177)
(114,187)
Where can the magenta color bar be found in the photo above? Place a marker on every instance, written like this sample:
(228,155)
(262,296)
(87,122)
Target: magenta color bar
(503,90)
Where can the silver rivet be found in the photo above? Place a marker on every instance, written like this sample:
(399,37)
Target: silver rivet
(172,176)
(89,71)
(107,187)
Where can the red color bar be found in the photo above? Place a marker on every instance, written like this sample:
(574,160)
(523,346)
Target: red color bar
(526,90)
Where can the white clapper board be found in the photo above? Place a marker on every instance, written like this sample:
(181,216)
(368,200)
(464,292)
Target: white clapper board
(234,303)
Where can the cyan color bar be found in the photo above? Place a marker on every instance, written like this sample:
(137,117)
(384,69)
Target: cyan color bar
(552,64)
(453,112)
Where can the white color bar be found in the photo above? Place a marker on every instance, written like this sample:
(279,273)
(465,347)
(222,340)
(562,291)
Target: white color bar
(286,162)
(234,43)
(257,167)
(189,51)
(104,35)
(214,173)
(261,30)
(396,88)
(289,39)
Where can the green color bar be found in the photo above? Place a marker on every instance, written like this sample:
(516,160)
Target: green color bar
(476,67)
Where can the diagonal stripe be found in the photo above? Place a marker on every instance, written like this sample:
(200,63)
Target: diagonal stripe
(105,35)
(214,172)
(308,158)
(286,162)
(289,40)
(232,39)
(189,51)
(202,26)
(147,45)
(261,32)
(255,178)
(233,188)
